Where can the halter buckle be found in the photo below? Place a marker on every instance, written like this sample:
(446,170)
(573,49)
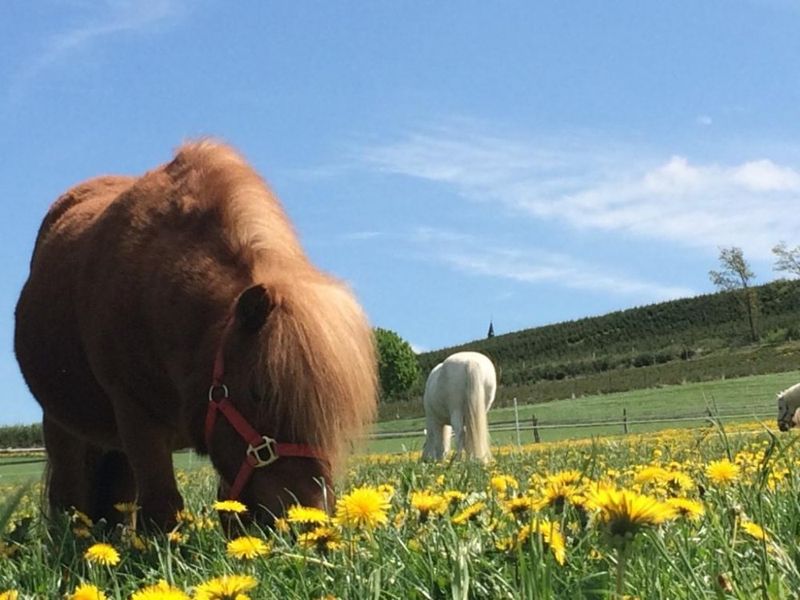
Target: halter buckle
(212,392)
(254,458)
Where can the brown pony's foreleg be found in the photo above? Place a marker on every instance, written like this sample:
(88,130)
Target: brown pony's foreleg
(149,454)
(113,483)
(70,465)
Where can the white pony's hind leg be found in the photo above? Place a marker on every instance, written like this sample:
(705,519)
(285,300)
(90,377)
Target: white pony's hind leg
(457,423)
(433,448)
(447,435)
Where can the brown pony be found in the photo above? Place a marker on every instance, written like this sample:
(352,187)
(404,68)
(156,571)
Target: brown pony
(178,310)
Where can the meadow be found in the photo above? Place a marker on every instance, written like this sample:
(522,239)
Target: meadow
(706,511)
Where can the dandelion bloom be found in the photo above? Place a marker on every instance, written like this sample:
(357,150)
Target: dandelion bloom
(87,591)
(247,547)
(687,508)
(754,530)
(470,513)
(9,595)
(323,539)
(362,507)
(306,515)
(227,587)
(102,554)
(453,497)
(568,477)
(127,508)
(428,503)
(501,483)
(233,506)
(551,537)
(520,507)
(160,591)
(623,512)
(722,472)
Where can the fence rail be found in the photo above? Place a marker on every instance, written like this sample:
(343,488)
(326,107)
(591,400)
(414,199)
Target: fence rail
(526,424)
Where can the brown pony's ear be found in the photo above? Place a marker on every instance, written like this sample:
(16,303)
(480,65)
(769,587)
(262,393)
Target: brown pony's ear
(252,308)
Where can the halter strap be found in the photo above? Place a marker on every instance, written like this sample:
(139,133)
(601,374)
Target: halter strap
(219,402)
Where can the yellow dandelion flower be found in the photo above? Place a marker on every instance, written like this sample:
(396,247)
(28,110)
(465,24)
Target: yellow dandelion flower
(323,539)
(184,516)
(362,507)
(81,518)
(755,531)
(7,550)
(160,591)
(247,547)
(558,493)
(9,595)
(722,472)
(226,587)
(177,537)
(687,508)
(81,532)
(520,507)
(651,474)
(102,554)
(282,525)
(127,508)
(501,484)
(233,506)
(453,497)
(470,513)
(568,477)
(622,513)
(549,532)
(427,503)
(387,489)
(414,545)
(551,537)
(87,591)
(306,515)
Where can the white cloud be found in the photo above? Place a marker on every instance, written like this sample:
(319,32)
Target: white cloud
(703,120)
(105,19)
(478,257)
(607,187)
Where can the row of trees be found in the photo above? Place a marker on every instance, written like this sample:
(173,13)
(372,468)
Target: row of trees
(399,367)
(735,275)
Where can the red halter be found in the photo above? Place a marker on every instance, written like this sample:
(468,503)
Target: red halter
(256,443)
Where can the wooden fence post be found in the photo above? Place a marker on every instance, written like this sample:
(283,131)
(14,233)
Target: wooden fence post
(624,420)
(536,437)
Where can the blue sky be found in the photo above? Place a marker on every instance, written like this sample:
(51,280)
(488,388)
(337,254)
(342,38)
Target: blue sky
(528,162)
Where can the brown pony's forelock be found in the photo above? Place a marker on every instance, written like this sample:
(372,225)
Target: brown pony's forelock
(317,363)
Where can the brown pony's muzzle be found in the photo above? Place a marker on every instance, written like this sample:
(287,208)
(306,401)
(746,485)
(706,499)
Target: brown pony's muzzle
(286,482)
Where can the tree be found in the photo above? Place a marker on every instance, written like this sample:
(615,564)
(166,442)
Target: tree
(736,276)
(398,368)
(787,259)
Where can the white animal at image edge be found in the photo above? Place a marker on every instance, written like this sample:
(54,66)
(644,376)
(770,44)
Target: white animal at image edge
(788,405)
(458,394)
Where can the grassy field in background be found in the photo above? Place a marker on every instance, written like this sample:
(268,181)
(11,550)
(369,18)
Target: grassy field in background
(753,397)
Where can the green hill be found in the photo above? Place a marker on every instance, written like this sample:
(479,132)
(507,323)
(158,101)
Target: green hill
(691,339)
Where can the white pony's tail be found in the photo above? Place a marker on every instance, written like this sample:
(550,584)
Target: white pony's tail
(476,434)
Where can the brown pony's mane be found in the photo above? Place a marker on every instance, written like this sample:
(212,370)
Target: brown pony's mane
(317,358)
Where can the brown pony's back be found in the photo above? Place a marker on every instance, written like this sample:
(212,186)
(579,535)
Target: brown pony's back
(133,281)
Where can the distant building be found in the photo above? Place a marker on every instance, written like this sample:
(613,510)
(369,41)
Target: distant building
(490,334)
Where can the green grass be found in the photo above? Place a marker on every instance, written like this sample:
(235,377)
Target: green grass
(407,556)
(752,396)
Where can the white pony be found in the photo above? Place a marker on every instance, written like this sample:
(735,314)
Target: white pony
(788,403)
(458,394)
